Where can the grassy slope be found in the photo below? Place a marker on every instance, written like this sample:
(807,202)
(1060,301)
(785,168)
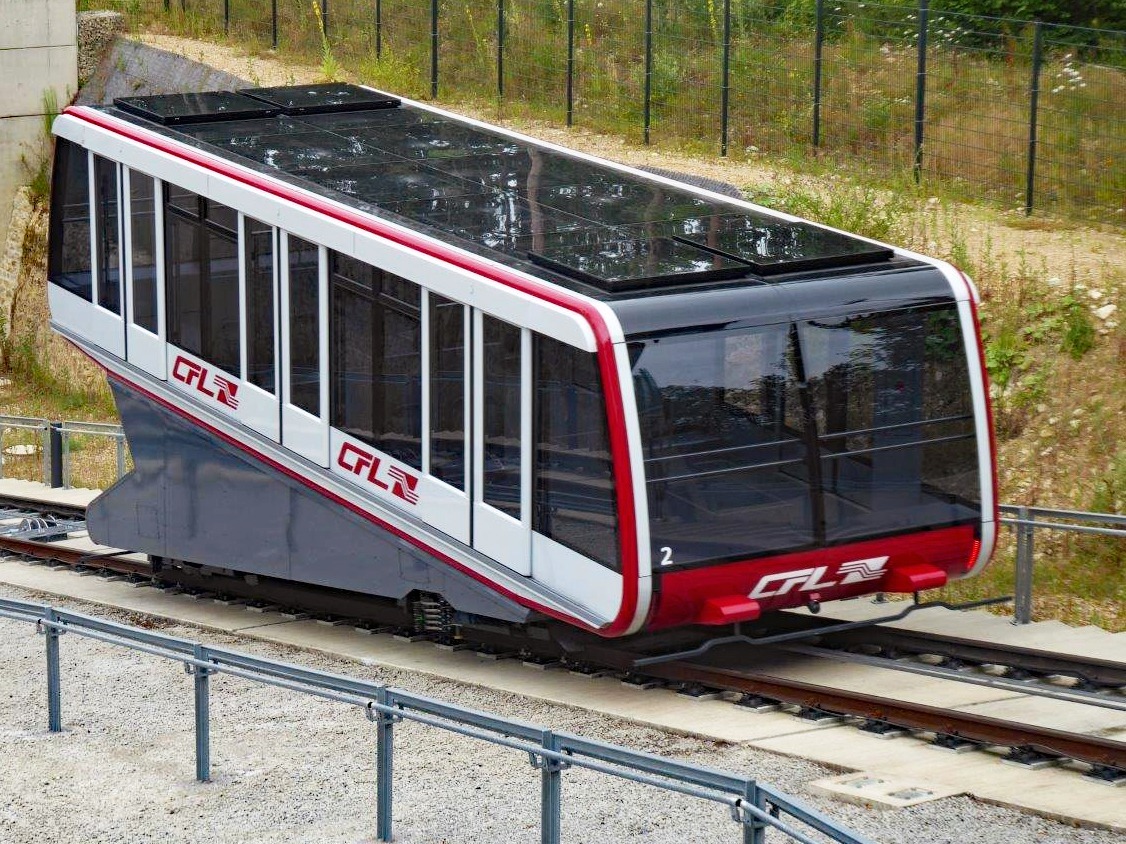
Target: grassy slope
(1059,370)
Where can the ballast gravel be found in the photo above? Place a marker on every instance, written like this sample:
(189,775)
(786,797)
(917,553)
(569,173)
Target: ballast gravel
(288,767)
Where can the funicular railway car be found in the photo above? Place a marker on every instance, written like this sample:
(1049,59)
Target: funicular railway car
(363,343)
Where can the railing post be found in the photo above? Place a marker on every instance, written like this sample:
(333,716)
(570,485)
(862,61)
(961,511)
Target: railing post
(726,99)
(378,28)
(818,49)
(274,22)
(570,62)
(1034,103)
(500,48)
(1022,600)
(755,831)
(120,441)
(201,674)
(2,429)
(648,66)
(57,454)
(551,792)
(921,88)
(54,679)
(384,763)
(433,49)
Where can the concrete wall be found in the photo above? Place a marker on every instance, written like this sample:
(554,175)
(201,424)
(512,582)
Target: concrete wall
(38,51)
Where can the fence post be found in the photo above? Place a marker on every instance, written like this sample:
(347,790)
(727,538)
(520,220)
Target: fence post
(57,454)
(1022,600)
(500,48)
(725,105)
(648,65)
(551,791)
(120,440)
(274,22)
(202,676)
(818,48)
(1034,103)
(433,49)
(54,680)
(384,764)
(570,62)
(324,18)
(921,88)
(378,28)
(226,17)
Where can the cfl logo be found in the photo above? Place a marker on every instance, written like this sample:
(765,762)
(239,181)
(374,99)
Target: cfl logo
(214,386)
(364,464)
(807,580)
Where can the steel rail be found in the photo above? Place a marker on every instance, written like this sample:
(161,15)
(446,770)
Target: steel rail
(972,727)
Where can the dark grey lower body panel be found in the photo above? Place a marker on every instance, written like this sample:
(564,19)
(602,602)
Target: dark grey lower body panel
(194,497)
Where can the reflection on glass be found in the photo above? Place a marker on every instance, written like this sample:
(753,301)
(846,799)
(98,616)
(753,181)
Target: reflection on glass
(69,259)
(447,391)
(574,478)
(304,326)
(502,414)
(143,249)
(790,436)
(259,259)
(108,229)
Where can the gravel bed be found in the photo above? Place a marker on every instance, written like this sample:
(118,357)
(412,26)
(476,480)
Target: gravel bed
(289,767)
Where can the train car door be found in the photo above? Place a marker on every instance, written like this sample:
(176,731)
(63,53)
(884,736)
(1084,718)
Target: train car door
(143,235)
(304,347)
(502,442)
(105,324)
(258,295)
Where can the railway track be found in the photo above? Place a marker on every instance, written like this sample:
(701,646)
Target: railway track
(759,678)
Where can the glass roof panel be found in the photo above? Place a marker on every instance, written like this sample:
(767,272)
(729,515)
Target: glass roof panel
(175,109)
(319,99)
(776,246)
(390,181)
(618,263)
(493,219)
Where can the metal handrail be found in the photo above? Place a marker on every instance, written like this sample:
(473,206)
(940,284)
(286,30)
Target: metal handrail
(755,807)
(1025,520)
(55,446)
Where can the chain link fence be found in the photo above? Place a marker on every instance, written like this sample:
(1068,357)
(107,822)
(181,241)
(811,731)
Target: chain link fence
(1024,114)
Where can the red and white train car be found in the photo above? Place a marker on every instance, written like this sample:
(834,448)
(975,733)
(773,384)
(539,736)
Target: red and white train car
(367,344)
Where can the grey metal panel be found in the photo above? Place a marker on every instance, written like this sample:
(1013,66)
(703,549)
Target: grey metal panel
(194,497)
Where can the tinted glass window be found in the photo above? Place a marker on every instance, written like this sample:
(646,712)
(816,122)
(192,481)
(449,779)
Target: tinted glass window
(574,480)
(203,285)
(352,355)
(789,436)
(377,358)
(397,347)
(304,326)
(258,243)
(502,415)
(108,228)
(447,391)
(69,258)
(142,212)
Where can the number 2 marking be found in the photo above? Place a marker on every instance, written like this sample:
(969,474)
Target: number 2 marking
(666,556)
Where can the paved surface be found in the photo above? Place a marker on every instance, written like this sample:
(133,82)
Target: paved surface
(1052,792)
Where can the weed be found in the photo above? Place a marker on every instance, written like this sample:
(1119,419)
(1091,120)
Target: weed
(1079,333)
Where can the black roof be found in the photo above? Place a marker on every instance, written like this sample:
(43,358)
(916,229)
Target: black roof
(556,215)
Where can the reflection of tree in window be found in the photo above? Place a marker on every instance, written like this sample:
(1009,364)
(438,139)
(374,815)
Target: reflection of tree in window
(304,327)
(201,244)
(574,483)
(142,211)
(69,262)
(447,390)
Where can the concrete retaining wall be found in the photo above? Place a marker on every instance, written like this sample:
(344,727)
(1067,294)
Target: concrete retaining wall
(38,51)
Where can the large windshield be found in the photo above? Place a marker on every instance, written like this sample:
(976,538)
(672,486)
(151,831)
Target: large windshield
(801,435)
